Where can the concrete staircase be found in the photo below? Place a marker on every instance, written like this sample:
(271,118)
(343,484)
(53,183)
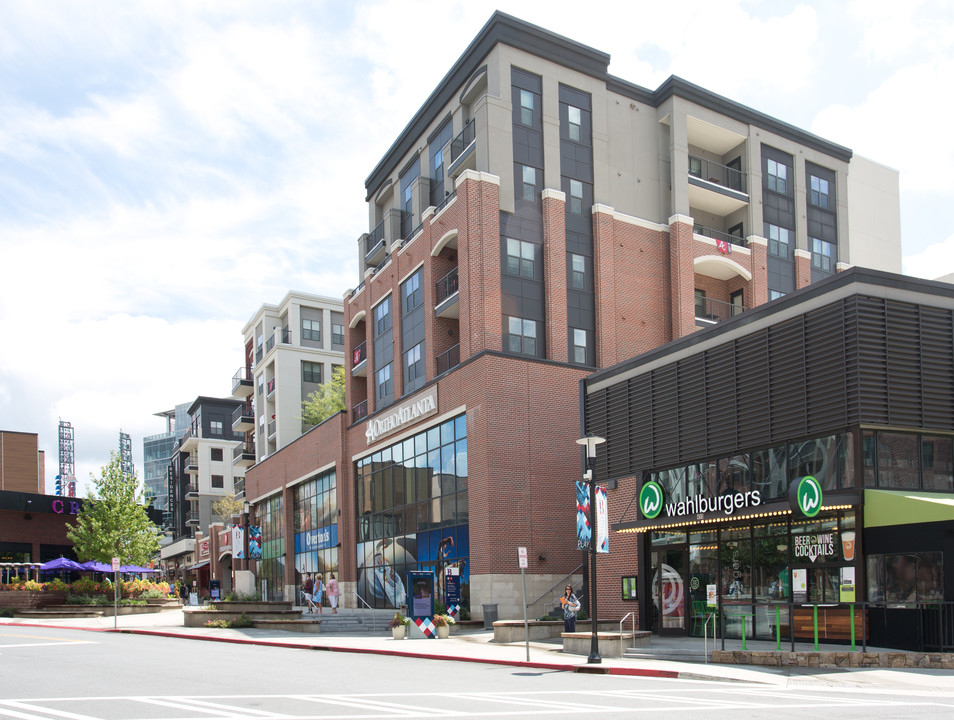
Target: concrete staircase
(351,621)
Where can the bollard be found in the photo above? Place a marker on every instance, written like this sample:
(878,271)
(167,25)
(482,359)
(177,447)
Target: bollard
(778,629)
(815,623)
(852,614)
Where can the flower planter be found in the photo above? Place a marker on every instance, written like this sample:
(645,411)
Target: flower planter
(443,632)
(397,633)
(30,599)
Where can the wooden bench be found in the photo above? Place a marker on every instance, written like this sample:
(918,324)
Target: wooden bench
(833,624)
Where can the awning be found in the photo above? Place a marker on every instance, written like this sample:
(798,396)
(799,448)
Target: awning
(899,507)
(198,565)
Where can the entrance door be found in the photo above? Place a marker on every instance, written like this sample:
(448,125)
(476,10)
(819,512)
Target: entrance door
(669,591)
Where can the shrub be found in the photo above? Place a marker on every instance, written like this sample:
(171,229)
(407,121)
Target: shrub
(6,612)
(153,594)
(399,620)
(464,614)
(56,585)
(442,620)
(242,621)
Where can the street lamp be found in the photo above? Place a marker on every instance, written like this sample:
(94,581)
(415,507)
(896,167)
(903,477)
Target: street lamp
(590,442)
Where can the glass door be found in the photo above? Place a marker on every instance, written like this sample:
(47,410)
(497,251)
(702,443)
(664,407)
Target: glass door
(669,591)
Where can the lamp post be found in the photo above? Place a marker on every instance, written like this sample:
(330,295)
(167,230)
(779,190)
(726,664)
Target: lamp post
(590,442)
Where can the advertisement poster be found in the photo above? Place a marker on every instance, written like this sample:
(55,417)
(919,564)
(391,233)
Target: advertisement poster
(602,521)
(800,585)
(847,586)
(255,542)
(582,515)
(452,587)
(421,603)
(238,542)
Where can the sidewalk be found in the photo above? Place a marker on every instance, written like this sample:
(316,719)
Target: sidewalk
(479,647)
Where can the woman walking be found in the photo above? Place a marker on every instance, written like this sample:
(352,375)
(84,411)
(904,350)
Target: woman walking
(333,592)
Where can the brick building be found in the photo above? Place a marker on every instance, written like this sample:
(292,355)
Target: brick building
(538,219)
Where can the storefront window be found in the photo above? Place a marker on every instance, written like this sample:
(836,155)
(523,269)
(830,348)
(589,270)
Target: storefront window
(906,577)
(735,475)
(270,573)
(898,461)
(316,528)
(770,564)
(673,483)
(696,479)
(825,459)
(769,473)
(937,464)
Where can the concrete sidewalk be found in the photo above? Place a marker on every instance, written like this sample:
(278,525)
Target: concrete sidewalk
(479,646)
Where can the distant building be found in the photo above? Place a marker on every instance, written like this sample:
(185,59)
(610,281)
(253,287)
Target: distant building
(22,463)
(157,453)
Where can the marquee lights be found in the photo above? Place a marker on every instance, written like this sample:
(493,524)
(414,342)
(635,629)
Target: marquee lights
(722,520)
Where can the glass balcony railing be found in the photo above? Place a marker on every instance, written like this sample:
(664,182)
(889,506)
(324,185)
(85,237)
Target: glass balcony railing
(714,172)
(719,235)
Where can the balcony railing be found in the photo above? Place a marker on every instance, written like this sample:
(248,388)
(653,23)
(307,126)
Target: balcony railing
(447,198)
(270,387)
(448,360)
(446,286)
(192,489)
(238,487)
(359,411)
(242,382)
(272,425)
(710,311)
(376,236)
(359,354)
(718,235)
(286,336)
(463,141)
(269,344)
(717,173)
(192,517)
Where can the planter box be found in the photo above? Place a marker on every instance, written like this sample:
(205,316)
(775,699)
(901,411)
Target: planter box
(254,606)
(506,631)
(30,599)
(611,644)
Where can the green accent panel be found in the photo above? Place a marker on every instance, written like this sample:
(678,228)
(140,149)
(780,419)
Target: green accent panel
(904,507)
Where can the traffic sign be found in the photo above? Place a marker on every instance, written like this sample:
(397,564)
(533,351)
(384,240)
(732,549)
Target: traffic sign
(115,564)
(522,556)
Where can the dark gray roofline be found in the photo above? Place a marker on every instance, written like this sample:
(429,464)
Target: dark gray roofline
(205,399)
(501,28)
(855,275)
(506,29)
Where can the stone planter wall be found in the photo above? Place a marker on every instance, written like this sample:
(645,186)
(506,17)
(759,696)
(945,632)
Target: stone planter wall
(30,599)
(512,630)
(836,659)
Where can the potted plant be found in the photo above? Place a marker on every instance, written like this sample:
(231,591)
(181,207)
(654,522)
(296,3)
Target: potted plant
(398,626)
(443,623)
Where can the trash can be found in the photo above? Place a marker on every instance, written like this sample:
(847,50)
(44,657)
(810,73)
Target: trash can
(490,614)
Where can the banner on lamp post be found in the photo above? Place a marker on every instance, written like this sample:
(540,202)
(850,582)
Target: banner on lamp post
(238,542)
(602,521)
(582,515)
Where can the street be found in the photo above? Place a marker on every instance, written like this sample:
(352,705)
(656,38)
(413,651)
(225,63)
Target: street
(80,675)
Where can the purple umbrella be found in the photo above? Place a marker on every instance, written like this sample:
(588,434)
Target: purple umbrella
(96,566)
(136,569)
(61,563)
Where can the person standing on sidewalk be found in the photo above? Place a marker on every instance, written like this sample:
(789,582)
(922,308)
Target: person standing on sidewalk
(333,592)
(318,591)
(308,589)
(571,606)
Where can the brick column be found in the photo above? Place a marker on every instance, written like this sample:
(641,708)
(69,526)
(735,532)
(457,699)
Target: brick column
(479,277)
(554,265)
(682,276)
(803,269)
(758,286)
(604,291)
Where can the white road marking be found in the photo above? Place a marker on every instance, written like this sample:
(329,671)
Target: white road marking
(32,707)
(4,646)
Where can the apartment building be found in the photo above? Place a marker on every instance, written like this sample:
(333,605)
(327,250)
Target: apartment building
(290,349)
(157,451)
(22,463)
(537,219)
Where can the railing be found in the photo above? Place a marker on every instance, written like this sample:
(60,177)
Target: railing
(286,336)
(443,203)
(719,235)
(374,237)
(243,374)
(449,359)
(716,173)
(259,354)
(359,354)
(463,140)
(238,487)
(271,428)
(558,583)
(631,614)
(192,517)
(406,220)
(242,449)
(713,311)
(359,411)
(240,412)
(270,343)
(270,386)
(446,286)
(364,612)
(192,488)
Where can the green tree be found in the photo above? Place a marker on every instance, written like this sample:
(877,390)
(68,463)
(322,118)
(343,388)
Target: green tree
(227,506)
(328,399)
(113,521)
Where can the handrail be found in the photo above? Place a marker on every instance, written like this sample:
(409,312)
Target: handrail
(705,633)
(551,588)
(364,614)
(633,613)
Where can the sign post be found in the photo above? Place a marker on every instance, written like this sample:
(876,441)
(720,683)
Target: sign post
(115,592)
(522,558)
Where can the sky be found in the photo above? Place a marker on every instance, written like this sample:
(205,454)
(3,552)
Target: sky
(168,167)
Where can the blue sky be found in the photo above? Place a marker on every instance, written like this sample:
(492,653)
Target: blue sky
(167,167)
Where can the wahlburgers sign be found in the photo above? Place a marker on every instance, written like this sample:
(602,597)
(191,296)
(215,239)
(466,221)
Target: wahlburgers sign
(805,496)
(652,502)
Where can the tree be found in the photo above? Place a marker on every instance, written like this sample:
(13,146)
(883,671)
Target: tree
(113,521)
(328,399)
(227,506)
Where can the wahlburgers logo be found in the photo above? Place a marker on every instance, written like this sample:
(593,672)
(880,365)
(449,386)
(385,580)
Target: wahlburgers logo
(806,496)
(651,499)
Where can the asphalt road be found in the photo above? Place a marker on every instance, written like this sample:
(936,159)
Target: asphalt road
(52,673)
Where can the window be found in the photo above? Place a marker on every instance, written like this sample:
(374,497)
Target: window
(576,197)
(218,481)
(574,123)
(522,336)
(310,372)
(777,177)
(311,330)
(821,254)
(382,317)
(438,165)
(216,427)
(577,272)
(526,107)
(529,186)
(414,363)
(520,258)
(578,350)
(818,192)
(778,240)
(337,334)
(411,289)
(775,294)
(695,166)
(216,455)
(385,385)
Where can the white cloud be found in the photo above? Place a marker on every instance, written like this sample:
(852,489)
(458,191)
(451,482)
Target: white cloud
(935,261)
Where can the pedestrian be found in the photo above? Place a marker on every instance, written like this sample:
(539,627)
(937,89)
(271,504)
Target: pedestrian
(571,606)
(183,591)
(333,592)
(318,591)
(308,590)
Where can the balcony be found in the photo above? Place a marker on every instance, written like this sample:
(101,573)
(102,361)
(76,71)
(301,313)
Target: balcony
(448,360)
(242,419)
(192,465)
(716,188)
(377,243)
(359,360)
(270,388)
(283,338)
(359,411)
(238,487)
(710,312)
(462,150)
(188,441)
(272,429)
(243,455)
(719,235)
(242,385)
(192,517)
(192,491)
(447,296)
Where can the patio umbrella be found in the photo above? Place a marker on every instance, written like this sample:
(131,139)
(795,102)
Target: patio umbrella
(136,569)
(96,566)
(61,563)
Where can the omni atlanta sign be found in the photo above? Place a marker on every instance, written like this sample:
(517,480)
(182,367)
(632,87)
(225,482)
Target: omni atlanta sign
(417,408)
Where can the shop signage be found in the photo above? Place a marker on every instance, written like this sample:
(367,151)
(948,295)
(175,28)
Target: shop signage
(238,542)
(814,547)
(225,541)
(419,407)
(317,539)
(70,507)
(800,585)
(805,496)
(204,548)
(652,503)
